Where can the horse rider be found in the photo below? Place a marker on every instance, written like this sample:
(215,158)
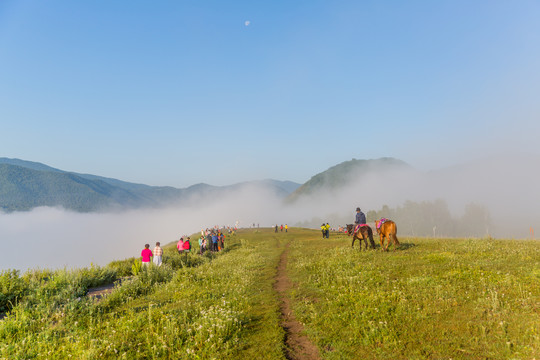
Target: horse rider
(360,217)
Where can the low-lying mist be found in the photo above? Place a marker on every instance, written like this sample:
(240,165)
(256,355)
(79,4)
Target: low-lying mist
(506,187)
(55,238)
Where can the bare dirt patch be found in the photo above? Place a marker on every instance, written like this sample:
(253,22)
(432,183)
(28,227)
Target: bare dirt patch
(299,347)
(99,292)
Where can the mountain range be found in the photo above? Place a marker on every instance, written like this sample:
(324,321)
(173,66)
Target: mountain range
(25,185)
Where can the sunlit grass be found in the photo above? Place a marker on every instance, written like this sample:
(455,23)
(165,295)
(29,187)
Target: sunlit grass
(438,299)
(221,306)
(430,299)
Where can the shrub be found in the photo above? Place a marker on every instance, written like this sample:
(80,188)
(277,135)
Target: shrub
(12,289)
(122,267)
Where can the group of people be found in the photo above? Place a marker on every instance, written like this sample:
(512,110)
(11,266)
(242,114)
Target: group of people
(286,227)
(157,254)
(210,239)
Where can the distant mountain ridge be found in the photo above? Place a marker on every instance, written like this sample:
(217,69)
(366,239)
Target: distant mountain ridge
(25,185)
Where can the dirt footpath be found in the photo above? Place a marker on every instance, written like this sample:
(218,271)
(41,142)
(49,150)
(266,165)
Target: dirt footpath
(299,347)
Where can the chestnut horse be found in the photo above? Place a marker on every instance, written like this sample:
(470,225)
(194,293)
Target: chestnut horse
(387,229)
(363,233)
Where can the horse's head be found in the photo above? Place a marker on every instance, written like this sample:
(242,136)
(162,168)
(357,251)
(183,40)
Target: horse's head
(350,228)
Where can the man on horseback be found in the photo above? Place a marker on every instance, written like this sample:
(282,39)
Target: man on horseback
(362,231)
(360,217)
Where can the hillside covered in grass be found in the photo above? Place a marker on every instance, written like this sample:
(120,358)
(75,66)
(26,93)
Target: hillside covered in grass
(428,299)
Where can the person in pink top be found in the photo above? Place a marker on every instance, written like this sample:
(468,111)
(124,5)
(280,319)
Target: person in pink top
(146,254)
(180,245)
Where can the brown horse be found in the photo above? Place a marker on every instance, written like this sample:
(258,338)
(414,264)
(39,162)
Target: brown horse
(387,229)
(363,233)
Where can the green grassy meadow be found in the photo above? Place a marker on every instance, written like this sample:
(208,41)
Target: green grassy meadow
(429,299)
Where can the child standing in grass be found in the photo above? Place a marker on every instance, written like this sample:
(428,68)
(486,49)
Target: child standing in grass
(146,254)
(158,253)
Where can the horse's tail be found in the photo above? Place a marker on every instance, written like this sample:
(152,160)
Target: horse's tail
(370,235)
(394,235)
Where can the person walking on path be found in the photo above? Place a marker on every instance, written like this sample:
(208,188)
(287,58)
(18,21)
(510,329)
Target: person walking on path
(158,254)
(327,227)
(214,242)
(222,241)
(276,227)
(286,227)
(146,254)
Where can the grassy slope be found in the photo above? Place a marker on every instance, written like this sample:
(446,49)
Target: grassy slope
(439,299)
(223,308)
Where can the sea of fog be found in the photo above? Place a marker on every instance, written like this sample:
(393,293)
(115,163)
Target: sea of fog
(56,238)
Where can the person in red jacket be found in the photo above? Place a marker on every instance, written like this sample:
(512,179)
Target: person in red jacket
(187,244)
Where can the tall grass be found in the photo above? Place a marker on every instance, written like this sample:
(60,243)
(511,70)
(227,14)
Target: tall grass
(438,299)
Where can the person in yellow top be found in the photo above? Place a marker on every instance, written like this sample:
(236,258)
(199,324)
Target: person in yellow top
(327,227)
(323,230)
(286,227)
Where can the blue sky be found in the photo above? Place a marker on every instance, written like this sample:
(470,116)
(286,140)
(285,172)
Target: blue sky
(181,92)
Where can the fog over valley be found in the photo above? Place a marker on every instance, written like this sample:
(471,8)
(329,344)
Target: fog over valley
(499,194)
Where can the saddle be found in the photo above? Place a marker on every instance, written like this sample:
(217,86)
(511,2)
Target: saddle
(380,222)
(357,227)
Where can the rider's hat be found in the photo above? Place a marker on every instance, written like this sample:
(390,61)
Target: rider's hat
(357,209)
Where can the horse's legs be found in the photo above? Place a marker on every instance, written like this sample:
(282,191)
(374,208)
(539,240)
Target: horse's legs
(353,238)
(371,240)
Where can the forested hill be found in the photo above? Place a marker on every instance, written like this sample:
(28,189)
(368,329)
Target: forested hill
(23,189)
(345,172)
(25,185)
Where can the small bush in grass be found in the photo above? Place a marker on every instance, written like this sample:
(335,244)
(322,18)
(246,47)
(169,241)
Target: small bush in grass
(122,267)
(136,267)
(12,289)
